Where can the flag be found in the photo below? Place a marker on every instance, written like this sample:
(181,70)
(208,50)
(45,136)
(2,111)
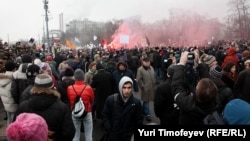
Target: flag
(103,43)
(70,44)
(148,42)
(77,40)
(94,37)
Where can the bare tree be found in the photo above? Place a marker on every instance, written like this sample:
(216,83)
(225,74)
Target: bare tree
(239,18)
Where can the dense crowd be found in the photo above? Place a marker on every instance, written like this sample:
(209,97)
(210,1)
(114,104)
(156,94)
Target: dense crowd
(185,83)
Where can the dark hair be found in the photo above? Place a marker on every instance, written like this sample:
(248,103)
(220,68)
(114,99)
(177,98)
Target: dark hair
(206,91)
(228,67)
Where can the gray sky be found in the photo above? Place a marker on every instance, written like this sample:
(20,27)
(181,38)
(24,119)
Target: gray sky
(23,19)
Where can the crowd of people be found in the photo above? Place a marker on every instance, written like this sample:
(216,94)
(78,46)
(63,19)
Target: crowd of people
(185,84)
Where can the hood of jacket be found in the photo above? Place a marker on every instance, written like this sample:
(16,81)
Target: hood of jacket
(124,80)
(42,101)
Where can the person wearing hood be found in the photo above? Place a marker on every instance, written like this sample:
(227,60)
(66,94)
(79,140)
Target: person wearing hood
(45,101)
(122,112)
(122,70)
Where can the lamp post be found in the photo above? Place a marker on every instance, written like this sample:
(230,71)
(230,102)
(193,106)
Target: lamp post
(46,21)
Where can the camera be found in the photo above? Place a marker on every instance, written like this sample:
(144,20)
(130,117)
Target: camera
(190,56)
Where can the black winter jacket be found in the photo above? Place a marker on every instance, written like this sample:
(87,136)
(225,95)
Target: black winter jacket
(120,119)
(56,114)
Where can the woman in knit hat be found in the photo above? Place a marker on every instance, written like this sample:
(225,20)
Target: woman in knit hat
(28,127)
(225,93)
(45,101)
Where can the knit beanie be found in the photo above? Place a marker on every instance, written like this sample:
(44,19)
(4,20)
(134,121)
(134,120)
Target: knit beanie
(79,74)
(237,112)
(32,71)
(26,58)
(10,66)
(28,127)
(43,81)
(207,59)
(216,72)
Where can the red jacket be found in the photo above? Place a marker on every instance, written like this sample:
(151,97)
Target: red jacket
(87,95)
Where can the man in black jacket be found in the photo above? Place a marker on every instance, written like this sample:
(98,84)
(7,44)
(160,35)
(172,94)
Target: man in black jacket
(122,112)
(164,106)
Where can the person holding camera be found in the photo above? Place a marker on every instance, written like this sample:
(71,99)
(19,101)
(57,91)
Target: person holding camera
(193,107)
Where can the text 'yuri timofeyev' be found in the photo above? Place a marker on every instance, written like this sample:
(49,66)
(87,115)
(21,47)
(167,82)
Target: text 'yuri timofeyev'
(242,133)
(165,132)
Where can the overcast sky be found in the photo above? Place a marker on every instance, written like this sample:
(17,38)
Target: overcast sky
(23,19)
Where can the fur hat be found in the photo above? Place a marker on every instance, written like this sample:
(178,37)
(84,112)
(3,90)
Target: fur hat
(26,58)
(43,81)
(247,61)
(79,74)
(10,66)
(207,59)
(216,72)
(32,71)
(28,127)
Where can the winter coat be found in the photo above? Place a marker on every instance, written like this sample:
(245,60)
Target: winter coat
(87,95)
(164,106)
(56,113)
(62,88)
(230,57)
(146,81)
(103,84)
(5,93)
(121,118)
(118,74)
(192,112)
(19,82)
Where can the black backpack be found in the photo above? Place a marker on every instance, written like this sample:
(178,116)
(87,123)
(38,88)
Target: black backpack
(214,118)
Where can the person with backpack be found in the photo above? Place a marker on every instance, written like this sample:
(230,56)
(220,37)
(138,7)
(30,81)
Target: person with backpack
(193,107)
(122,112)
(87,96)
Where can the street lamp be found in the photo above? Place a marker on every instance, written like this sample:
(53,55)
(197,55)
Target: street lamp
(47,20)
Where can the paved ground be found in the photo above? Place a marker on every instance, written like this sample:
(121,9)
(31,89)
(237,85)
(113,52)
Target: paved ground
(98,130)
